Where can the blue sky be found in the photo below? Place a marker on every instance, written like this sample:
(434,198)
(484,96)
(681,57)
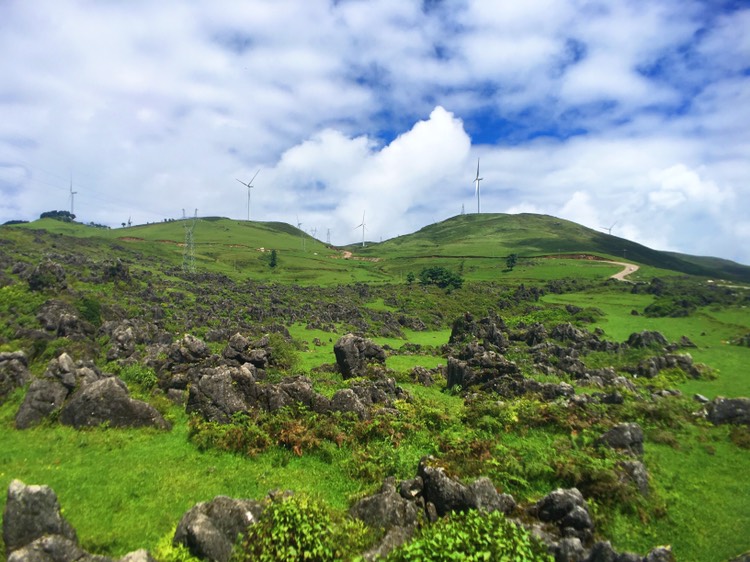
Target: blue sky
(626,112)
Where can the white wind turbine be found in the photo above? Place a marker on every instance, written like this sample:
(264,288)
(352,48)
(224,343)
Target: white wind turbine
(609,230)
(476,189)
(249,186)
(363,228)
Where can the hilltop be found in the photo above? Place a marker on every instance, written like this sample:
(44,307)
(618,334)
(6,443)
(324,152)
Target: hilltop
(476,244)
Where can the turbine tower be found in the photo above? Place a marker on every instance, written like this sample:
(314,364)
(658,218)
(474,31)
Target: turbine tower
(72,195)
(249,186)
(363,228)
(476,189)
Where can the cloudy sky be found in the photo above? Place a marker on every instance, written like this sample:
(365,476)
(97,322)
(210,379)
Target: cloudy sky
(632,113)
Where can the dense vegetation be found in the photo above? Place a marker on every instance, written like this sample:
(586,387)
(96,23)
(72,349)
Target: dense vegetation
(527,445)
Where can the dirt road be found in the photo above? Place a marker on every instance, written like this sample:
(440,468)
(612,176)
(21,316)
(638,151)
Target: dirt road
(629,268)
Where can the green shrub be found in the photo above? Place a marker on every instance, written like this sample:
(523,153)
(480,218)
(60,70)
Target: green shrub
(473,535)
(165,551)
(91,310)
(298,527)
(143,377)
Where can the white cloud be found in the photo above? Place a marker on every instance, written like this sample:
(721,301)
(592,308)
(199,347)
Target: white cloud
(607,111)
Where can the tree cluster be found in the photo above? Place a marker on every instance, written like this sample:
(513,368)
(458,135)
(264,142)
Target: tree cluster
(440,276)
(64,216)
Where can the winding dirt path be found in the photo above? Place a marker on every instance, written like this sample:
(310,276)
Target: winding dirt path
(620,275)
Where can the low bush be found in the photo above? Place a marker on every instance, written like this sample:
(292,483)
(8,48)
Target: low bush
(472,536)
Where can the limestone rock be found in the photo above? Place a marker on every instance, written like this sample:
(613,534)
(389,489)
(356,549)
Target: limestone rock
(627,437)
(354,353)
(210,529)
(729,410)
(107,401)
(14,372)
(30,513)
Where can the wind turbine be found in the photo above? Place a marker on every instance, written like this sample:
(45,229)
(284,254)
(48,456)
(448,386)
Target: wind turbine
(363,228)
(72,194)
(476,189)
(249,186)
(609,230)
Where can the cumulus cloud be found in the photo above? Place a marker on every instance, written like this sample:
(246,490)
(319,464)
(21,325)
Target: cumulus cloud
(600,112)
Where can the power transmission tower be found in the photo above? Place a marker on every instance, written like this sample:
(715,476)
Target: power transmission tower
(188,252)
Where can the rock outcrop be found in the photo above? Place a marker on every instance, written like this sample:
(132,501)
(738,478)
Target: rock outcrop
(85,397)
(354,353)
(210,529)
(728,410)
(14,372)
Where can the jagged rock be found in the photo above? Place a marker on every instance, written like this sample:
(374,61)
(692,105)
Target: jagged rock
(647,338)
(115,271)
(729,410)
(54,548)
(603,552)
(353,354)
(422,376)
(411,489)
(567,509)
(47,275)
(445,493)
(394,537)
(220,393)
(122,342)
(568,332)
(489,330)
(107,401)
(483,495)
(346,400)
(385,509)
(141,555)
(210,529)
(43,397)
(635,472)
(568,549)
(660,554)
(684,341)
(624,436)
(188,349)
(14,372)
(536,334)
(30,513)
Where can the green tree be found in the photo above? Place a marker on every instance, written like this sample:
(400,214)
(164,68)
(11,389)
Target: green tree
(511,261)
(442,277)
(274,260)
(410,277)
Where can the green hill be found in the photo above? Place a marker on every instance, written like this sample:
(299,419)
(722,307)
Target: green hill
(477,245)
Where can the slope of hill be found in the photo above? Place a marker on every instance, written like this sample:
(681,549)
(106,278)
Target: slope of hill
(529,235)
(476,244)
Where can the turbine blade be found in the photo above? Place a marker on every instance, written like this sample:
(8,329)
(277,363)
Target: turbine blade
(255,176)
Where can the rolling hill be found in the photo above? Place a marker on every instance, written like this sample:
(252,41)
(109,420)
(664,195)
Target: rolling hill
(475,244)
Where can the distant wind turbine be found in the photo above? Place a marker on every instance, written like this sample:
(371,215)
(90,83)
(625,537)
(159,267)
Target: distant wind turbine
(72,194)
(476,189)
(249,186)
(609,230)
(363,228)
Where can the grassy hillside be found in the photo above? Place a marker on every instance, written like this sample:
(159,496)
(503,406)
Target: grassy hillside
(146,479)
(474,245)
(488,236)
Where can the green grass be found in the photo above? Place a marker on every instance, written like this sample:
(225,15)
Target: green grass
(710,329)
(124,489)
(706,499)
